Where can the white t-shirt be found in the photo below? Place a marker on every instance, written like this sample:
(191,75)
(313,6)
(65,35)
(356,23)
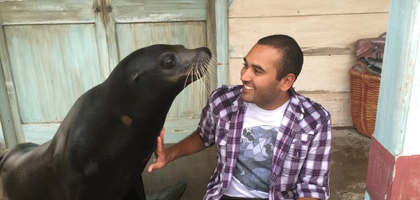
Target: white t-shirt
(251,177)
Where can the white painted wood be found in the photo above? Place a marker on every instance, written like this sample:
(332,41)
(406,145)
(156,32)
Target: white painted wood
(271,8)
(319,73)
(338,104)
(317,35)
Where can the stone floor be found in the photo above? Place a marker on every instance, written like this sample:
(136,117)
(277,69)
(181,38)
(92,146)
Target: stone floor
(348,169)
(349,165)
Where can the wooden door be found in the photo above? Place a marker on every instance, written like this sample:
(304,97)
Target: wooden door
(53,51)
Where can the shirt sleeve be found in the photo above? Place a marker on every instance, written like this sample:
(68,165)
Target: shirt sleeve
(207,126)
(313,181)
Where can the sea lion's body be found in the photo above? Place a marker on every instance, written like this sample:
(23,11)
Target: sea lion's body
(108,136)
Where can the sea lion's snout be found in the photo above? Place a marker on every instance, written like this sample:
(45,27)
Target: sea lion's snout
(205,50)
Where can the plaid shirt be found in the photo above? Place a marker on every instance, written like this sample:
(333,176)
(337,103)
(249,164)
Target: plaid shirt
(302,154)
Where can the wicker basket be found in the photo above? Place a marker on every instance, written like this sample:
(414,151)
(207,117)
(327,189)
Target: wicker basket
(364,92)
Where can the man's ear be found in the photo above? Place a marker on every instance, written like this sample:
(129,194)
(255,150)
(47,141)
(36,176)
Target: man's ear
(287,81)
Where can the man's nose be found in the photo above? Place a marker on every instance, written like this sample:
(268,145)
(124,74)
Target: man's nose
(245,75)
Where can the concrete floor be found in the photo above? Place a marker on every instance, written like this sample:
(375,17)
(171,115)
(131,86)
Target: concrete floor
(348,169)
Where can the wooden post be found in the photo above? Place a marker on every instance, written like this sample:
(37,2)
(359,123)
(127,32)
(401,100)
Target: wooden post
(393,171)
(221,9)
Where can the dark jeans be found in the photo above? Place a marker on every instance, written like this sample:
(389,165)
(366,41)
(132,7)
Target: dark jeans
(224,197)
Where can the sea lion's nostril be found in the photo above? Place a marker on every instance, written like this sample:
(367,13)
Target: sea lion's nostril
(208,52)
(205,50)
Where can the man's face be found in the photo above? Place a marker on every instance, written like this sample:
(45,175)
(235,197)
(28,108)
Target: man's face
(258,76)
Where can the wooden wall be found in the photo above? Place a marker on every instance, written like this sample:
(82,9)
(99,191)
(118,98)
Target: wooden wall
(326,31)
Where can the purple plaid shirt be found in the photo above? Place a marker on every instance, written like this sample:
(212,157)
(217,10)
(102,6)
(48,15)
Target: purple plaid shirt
(302,154)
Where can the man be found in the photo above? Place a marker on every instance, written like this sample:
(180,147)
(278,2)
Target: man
(272,143)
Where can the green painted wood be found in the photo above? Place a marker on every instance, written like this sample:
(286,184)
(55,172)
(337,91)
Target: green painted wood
(222,42)
(105,16)
(211,44)
(399,67)
(9,113)
(2,141)
(112,44)
(189,34)
(176,130)
(40,133)
(52,66)
(102,39)
(8,136)
(46,12)
(129,11)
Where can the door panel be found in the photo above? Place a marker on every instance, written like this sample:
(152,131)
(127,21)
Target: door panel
(52,66)
(55,50)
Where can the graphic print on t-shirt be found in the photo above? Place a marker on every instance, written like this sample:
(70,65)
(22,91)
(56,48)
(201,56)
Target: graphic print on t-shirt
(253,168)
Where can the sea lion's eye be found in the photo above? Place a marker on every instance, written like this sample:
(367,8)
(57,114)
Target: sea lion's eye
(169,63)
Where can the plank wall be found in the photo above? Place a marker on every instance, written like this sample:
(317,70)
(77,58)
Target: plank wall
(326,31)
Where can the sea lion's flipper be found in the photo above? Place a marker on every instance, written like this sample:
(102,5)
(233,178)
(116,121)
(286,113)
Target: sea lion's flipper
(173,192)
(137,192)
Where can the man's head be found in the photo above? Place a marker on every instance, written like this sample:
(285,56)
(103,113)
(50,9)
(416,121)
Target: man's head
(291,59)
(270,69)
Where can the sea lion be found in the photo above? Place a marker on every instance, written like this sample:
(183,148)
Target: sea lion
(108,136)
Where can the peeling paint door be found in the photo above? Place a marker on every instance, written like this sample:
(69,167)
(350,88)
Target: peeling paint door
(53,51)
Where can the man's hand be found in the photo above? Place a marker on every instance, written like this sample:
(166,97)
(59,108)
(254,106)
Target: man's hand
(162,157)
(190,145)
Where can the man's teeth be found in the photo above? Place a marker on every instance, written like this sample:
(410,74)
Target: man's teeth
(248,87)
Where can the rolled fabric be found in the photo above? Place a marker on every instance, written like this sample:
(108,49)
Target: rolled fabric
(371,47)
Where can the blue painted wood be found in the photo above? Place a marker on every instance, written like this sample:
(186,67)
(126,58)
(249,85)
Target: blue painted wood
(222,42)
(367,197)
(52,66)
(398,71)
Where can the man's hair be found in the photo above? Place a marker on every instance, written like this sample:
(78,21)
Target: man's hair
(291,56)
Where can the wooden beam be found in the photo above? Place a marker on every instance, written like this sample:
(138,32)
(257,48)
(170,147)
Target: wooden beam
(276,8)
(9,114)
(316,35)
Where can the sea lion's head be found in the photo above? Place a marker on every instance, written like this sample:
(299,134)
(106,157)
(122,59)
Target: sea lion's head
(160,70)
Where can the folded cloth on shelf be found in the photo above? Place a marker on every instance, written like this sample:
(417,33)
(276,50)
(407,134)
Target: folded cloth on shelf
(372,66)
(371,47)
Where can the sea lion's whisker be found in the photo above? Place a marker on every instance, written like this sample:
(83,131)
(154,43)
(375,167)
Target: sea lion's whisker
(190,69)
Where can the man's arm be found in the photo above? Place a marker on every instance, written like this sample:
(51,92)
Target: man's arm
(313,181)
(190,145)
